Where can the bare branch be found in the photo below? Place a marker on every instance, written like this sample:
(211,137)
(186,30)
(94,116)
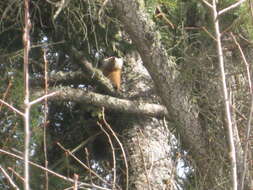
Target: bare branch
(9,178)
(162,15)
(80,162)
(55,165)
(113,154)
(16,174)
(54,173)
(246,149)
(121,147)
(208,4)
(12,108)
(204,28)
(88,162)
(245,62)
(230,7)
(43,98)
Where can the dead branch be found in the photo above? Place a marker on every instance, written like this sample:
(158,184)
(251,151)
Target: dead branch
(246,148)
(230,7)
(121,147)
(54,173)
(80,162)
(113,154)
(12,108)
(9,178)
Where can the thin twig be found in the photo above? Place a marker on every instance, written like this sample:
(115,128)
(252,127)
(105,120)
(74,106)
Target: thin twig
(120,144)
(80,162)
(16,174)
(77,148)
(162,15)
(43,97)
(245,62)
(9,178)
(209,33)
(101,10)
(12,108)
(113,154)
(54,173)
(88,163)
(246,148)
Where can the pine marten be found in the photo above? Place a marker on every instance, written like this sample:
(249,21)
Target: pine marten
(111,68)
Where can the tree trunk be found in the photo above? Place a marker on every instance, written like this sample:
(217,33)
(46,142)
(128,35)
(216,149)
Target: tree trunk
(149,155)
(173,93)
(146,139)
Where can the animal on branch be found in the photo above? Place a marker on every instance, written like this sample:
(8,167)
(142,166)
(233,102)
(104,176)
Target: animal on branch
(111,68)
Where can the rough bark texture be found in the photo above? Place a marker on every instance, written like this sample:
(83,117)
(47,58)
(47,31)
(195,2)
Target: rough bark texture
(146,139)
(174,95)
(150,161)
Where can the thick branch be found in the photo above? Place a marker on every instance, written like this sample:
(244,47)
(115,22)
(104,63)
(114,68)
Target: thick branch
(108,102)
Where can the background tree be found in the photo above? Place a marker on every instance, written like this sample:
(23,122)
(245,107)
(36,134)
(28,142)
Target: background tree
(123,140)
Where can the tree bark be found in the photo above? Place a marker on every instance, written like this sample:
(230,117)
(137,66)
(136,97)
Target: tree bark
(162,69)
(149,155)
(146,139)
